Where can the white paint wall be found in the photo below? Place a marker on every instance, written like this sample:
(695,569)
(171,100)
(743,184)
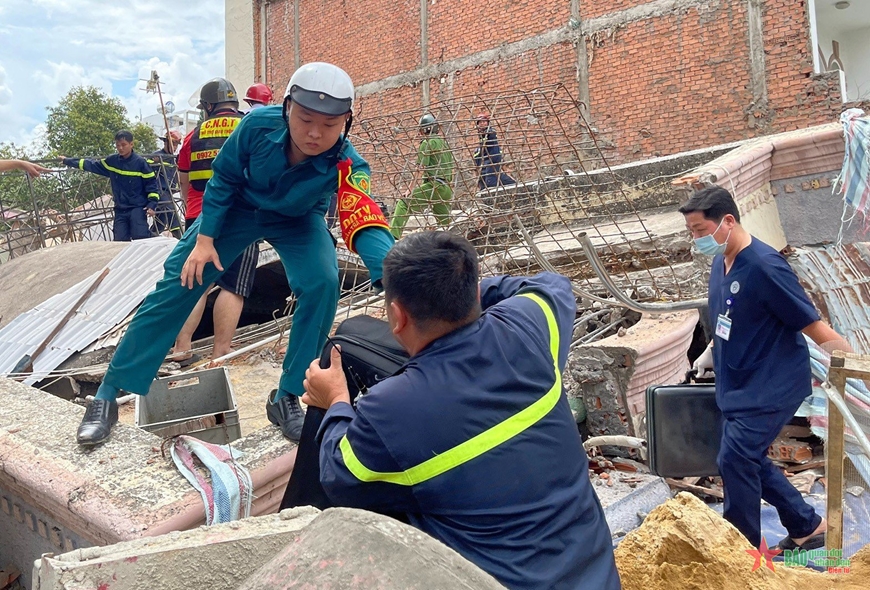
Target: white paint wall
(855,52)
(239,29)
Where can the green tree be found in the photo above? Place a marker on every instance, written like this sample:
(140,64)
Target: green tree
(144,137)
(84,123)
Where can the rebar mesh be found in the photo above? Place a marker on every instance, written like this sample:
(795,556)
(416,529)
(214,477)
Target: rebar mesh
(68,205)
(559,186)
(552,184)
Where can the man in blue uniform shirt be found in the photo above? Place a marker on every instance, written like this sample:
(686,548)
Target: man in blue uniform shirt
(134,187)
(473,439)
(272,180)
(760,314)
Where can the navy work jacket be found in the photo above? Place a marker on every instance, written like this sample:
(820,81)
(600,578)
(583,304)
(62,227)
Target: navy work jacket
(134,184)
(474,441)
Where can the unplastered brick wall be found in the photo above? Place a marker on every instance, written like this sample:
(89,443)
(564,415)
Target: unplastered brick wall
(660,77)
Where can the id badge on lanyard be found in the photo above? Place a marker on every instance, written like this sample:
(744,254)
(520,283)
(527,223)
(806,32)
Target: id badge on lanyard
(723,323)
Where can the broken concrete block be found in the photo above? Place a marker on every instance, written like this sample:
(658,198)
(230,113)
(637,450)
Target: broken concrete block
(612,375)
(349,548)
(218,557)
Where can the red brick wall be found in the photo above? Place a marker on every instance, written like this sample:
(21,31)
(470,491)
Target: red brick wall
(672,82)
(459,27)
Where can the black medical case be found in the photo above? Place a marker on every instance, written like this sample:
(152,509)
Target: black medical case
(684,429)
(369,354)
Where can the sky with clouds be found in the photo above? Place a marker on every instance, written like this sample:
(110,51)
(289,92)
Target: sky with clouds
(49,46)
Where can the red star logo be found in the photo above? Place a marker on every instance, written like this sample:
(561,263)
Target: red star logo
(763,552)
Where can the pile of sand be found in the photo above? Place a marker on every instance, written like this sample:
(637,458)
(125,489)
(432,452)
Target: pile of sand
(683,544)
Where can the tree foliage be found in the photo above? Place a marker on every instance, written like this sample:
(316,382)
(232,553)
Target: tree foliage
(144,137)
(84,123)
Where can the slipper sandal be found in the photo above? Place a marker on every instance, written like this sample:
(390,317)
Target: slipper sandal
(189,361)
(814,542)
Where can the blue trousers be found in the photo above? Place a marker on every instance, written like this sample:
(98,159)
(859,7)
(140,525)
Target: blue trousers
(748,476)
(307,252)
(130,224)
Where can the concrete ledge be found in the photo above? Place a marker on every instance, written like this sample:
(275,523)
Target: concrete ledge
(121,490)
(209,558)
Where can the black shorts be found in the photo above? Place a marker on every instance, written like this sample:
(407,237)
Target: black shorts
(239,277)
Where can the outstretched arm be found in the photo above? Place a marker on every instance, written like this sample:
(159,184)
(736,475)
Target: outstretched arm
(33,170)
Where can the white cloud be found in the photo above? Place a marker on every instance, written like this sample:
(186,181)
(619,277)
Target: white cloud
(51,46)
(5,91)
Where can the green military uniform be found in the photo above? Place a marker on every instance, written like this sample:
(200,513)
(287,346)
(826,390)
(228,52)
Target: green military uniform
(436,191)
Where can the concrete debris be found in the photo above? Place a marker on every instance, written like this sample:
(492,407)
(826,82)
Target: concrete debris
(348,548)
(683,544)
(218,557)
(612,375)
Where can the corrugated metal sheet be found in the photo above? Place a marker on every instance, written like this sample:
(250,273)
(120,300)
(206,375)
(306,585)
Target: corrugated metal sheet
(838,282)
(132,275)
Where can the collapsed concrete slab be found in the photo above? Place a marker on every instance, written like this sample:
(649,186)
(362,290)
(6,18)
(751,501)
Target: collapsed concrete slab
(348,548)
(338,548)
(56,496)
(218,557)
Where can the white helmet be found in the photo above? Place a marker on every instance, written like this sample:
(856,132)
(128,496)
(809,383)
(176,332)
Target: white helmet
(321,87)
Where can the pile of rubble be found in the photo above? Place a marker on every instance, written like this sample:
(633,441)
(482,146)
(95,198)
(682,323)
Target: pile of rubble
(683,544)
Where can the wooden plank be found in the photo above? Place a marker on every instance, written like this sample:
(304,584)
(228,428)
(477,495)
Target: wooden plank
(680,484)
(849,364)
(805,466)
(835,450)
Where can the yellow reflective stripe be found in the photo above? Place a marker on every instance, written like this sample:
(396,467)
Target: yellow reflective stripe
(126,172)
(199,174)
(479,444)
(81,164)
(154,196)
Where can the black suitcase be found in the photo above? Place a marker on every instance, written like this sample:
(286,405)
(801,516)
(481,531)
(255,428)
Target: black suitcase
(684,429)
(369,354)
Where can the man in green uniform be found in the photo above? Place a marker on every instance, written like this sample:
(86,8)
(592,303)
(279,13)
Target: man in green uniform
(436,164)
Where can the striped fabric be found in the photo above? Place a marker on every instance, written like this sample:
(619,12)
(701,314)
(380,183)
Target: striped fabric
(228,494)
(854,179)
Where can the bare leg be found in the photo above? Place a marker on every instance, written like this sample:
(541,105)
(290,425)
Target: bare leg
(227,311)
(183,342)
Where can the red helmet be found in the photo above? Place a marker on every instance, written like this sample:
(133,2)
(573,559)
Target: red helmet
(258,93)
(175,135)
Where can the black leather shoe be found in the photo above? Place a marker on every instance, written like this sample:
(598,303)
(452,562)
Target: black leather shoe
(97,424)
(286,413)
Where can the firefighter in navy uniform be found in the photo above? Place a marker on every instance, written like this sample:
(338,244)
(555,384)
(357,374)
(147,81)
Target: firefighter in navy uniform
(134,187)
(219,101)
(472,439)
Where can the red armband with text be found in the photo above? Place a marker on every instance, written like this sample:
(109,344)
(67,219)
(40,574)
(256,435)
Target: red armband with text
(356,209)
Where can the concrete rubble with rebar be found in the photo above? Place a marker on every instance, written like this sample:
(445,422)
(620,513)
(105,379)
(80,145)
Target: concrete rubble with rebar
(56,497)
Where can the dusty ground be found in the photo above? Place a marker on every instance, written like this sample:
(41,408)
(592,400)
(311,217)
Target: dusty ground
(683,544)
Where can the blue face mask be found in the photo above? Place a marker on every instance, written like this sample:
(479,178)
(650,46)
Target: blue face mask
(708,244)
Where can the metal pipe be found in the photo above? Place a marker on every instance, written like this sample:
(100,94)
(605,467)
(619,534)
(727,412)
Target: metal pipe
(622,298)
(546,265)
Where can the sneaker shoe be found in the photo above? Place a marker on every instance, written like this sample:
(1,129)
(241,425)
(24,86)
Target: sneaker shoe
(286,413)
(97,424)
